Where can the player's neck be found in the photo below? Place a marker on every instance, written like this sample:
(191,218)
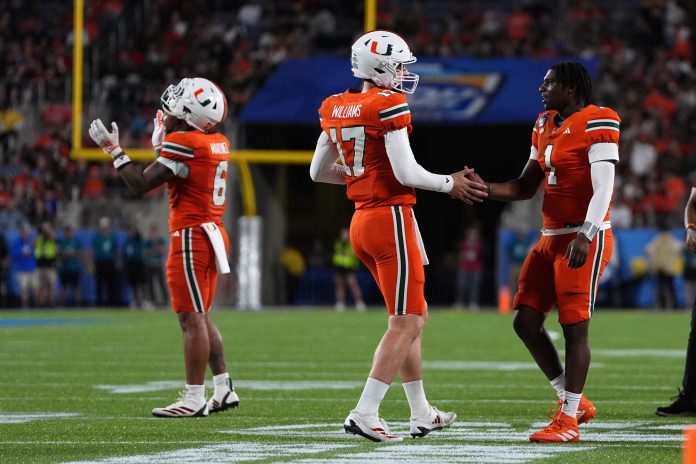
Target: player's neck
(569,110)
(367,86)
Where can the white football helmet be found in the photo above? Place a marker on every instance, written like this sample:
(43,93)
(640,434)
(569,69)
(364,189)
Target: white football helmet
(381,56)
(197,101)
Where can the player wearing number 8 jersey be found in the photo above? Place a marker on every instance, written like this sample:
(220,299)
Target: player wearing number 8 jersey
(193,162)
(367,131)
(574,149)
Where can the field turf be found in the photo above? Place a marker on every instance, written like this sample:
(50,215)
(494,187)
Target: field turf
(78,386)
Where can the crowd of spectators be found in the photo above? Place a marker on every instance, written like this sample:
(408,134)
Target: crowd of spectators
(133,48)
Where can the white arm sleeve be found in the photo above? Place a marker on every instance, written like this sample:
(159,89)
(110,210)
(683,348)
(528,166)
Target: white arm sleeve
(406,170)
(324,167)
(602,173)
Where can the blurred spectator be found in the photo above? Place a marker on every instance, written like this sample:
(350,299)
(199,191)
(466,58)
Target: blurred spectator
(664,256)
(294,267)
(24,264)
(70,267)
(134,263)
(470,269)
(155,251)
(46,253)
(105,254)
(345,263)
(10,123)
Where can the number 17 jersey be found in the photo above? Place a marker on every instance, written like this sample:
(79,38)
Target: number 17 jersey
(356,122)
(199,196)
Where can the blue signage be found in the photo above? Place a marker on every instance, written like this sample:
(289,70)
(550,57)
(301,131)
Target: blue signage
(450,91)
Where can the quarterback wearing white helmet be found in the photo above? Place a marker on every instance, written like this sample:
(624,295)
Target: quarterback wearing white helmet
(381,56)
(367,130)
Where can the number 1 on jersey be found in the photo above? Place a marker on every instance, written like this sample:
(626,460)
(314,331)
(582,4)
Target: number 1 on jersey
(353,167)
(552,179)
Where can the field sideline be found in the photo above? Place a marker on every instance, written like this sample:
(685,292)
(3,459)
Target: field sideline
(78,386)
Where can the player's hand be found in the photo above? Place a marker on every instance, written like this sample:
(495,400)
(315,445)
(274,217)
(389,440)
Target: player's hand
(691,239)
(108,141)
(158,130)
(577,251)
(468,189)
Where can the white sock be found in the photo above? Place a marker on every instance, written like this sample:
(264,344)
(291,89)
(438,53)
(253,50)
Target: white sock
(415,394)
(196,392)
(372,396)
(570,403)
(559,385)
(220,383)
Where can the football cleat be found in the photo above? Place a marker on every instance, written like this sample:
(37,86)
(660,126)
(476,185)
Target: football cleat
(436,421)
(229,400)
(372,428)
(562,429)
(586,410)
(185,406)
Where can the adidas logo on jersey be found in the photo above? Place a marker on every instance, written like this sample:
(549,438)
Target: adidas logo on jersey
(567,131)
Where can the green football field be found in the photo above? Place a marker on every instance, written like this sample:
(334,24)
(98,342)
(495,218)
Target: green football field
(79,386)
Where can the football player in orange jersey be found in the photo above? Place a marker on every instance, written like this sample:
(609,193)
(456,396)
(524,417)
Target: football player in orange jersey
(574,149)
(368,130)
(192,160)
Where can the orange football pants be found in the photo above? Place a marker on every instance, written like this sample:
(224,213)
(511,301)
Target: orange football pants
(546,279)
(384,238)
(191,270)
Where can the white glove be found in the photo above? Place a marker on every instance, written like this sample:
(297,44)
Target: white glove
(158,130)
(108,141)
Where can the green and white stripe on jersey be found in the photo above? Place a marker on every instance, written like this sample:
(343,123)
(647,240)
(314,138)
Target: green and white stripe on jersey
(189,271)
(177,149)
(596,266)
(394,111)
(596,124)
(401,296)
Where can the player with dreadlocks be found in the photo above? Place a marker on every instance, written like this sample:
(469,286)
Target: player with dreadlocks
(575,146)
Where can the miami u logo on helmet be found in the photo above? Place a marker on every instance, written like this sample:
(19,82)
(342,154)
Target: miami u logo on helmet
(197,93)
(374,46)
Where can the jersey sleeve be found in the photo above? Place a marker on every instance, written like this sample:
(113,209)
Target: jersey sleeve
(393,112)
(178,146)
(603,126)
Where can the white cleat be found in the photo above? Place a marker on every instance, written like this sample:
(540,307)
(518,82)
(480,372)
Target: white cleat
(229,400)
(373,428)
(184,407)
(436,421)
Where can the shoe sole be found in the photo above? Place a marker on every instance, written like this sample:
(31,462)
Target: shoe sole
(199,413)
(425,430)
(353,428)
(541,440)
(680,414)
(224,406)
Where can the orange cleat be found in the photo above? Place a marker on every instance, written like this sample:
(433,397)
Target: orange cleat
(562,429)
(586,410)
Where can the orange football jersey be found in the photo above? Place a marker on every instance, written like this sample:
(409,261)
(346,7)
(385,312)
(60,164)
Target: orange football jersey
(563,154)
(356,123)
(200,196)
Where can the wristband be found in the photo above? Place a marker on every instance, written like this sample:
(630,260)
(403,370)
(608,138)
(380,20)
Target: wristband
(589,230)
(121,161)
(691,226)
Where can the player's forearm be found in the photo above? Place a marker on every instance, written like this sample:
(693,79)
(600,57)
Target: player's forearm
(690,211)
(134,179)
(514,190)
(407,170)
(323,167)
